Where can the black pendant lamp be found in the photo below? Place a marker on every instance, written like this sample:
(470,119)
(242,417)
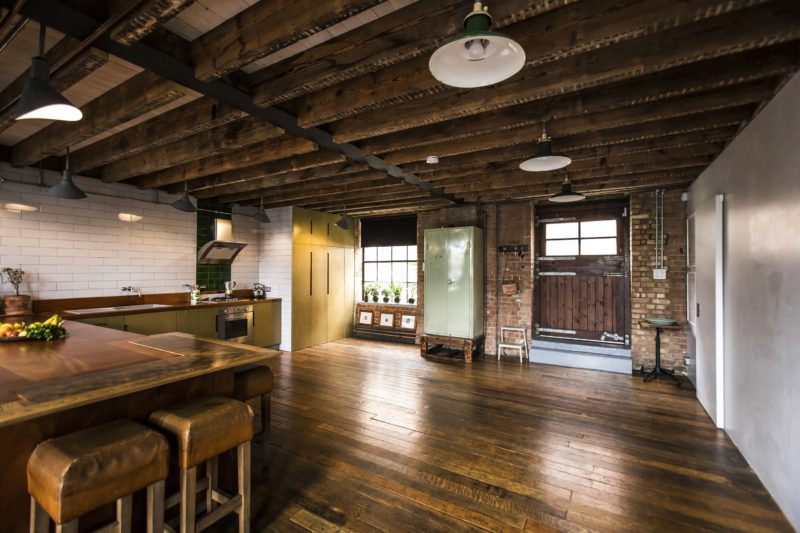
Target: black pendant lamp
(184,203)
(545,160)
(477,57)
(66,188)
(567,195)
(261,216)
(39,99)
(342,222)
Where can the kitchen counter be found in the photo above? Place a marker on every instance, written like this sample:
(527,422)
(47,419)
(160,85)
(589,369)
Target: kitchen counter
(68,313)
(94,376)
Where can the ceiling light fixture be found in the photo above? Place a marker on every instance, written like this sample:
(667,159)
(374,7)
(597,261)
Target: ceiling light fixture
(66,188)
(184,203)
(545,159)
(262,216)
(477,57)
(567,194)
(432,159)
(342,222)
(39,99)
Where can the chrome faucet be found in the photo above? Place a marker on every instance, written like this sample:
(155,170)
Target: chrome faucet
(131,288)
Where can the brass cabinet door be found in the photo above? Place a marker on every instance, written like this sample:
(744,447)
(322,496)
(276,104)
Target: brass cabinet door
(267,324)
(198,322)
(301,226)
(151,323)
(113,322)
(318,312)
(301,296)
(349,290)
(335,292)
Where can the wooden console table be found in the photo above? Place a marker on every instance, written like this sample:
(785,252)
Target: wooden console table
(430,343)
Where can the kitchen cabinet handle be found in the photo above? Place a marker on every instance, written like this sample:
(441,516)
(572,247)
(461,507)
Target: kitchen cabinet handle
(311,274)
(328,274)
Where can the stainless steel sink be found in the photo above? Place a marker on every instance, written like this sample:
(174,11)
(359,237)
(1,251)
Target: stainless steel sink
(120,309)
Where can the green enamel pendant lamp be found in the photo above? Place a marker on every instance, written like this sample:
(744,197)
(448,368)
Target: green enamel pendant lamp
(39,99)
(184,203)
(477,57)
(567,195)
(545,160)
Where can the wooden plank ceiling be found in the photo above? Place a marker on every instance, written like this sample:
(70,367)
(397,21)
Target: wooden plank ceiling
(641,94)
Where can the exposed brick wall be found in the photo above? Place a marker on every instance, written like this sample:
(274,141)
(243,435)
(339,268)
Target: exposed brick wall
(505,224)
(398,310)
(651,297)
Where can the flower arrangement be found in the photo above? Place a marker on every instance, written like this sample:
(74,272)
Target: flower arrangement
(14,276)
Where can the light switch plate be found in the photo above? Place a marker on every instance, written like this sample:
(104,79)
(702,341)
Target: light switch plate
(659,273)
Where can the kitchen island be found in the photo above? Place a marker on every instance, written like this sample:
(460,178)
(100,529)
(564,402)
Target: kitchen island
(97,375)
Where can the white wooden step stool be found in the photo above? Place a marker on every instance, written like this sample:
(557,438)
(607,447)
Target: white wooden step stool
(521,347)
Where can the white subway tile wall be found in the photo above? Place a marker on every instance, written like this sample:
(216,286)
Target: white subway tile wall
(275,266)
(80,248)
(245,269)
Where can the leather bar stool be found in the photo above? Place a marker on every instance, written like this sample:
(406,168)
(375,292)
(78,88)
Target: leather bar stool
(71,475)
(255,381)
(203,429)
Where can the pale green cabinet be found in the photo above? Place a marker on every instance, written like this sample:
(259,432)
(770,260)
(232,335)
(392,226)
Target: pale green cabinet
(454,282)
(113,322)
(198,322)
(151,323)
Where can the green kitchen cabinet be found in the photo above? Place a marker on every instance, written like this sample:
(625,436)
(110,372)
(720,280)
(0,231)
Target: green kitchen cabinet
(267,324)
(201,322)
(113,322)
(454,282)
(151,323)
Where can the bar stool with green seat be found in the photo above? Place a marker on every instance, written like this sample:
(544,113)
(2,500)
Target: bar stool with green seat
(72,475)
(203,429)
(255,381)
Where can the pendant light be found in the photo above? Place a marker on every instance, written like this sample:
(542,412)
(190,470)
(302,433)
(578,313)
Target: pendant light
(477,57)
(567,194)
(545,159)
(342,222)
(261,216)
(39,99)
(184,203)
(66,188)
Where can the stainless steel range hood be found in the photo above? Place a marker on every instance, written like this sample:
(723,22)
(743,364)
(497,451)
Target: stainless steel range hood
(222,250)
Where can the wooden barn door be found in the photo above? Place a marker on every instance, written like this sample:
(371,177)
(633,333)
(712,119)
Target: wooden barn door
(582,284)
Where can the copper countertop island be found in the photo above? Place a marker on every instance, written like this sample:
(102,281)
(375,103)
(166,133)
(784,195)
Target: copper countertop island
(95,376)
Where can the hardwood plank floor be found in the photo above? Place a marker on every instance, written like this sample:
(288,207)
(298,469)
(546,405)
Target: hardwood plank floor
(367,436)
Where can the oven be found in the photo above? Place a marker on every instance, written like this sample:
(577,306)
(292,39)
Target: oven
(235,323)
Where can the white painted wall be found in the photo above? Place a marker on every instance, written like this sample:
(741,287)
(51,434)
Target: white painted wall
(759,174)
(276,266)
(80,248)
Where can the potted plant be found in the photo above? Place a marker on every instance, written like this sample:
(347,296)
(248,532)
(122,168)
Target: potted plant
(387,293)
(397,290)
(16,304)
(373,291)
(412,293)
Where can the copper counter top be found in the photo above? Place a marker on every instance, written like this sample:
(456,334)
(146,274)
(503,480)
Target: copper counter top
(167,307)
(95,364)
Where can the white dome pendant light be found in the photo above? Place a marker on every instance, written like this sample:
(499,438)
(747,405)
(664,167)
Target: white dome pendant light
(39,99)
(478,57)
(567,195)
(545,159)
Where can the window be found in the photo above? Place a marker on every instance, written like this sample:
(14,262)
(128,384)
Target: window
(594,237)
(385,266)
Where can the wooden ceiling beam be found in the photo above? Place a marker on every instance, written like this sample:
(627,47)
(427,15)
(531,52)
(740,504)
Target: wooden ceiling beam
(192,118)
(412,31)
(146,19)
(63,76)
(366,197)
(135,97)
(271,150)
(566,143)
(410,204)
(728,86)
(262,181)
(368,212)
(239,134)
(693,37)
(264,28)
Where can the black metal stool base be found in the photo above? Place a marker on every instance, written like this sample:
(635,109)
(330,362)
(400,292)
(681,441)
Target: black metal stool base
(658,371)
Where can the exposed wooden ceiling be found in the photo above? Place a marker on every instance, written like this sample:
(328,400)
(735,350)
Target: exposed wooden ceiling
(641,94)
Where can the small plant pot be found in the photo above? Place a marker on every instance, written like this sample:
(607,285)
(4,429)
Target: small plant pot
(397,299)
(14,305)
(386,300)
(411,300)
(375,299)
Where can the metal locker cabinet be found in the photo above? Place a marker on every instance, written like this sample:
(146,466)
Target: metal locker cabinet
(454,282)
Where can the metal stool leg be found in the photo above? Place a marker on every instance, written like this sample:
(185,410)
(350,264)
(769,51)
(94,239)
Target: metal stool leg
(188,497)
(69,527)
(39,521)
(155,507)
(243,464)
(265,426)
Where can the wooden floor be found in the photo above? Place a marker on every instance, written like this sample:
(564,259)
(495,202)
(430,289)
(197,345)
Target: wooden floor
(369,437)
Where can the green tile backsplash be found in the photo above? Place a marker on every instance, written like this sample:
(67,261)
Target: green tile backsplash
(212,277)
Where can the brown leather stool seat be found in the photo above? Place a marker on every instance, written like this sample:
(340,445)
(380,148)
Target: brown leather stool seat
(71,475)
(203,429)
(255,381)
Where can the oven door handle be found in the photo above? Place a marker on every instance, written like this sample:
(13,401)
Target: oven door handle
(240,316)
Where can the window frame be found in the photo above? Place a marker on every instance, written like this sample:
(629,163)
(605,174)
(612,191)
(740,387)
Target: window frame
(580,238)
(407,284)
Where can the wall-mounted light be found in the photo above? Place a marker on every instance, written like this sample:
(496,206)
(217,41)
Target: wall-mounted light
(477,57)
(39,99)
(129,217)
(18,208)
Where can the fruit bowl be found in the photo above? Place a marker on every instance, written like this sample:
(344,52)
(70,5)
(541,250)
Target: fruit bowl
(49,330)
